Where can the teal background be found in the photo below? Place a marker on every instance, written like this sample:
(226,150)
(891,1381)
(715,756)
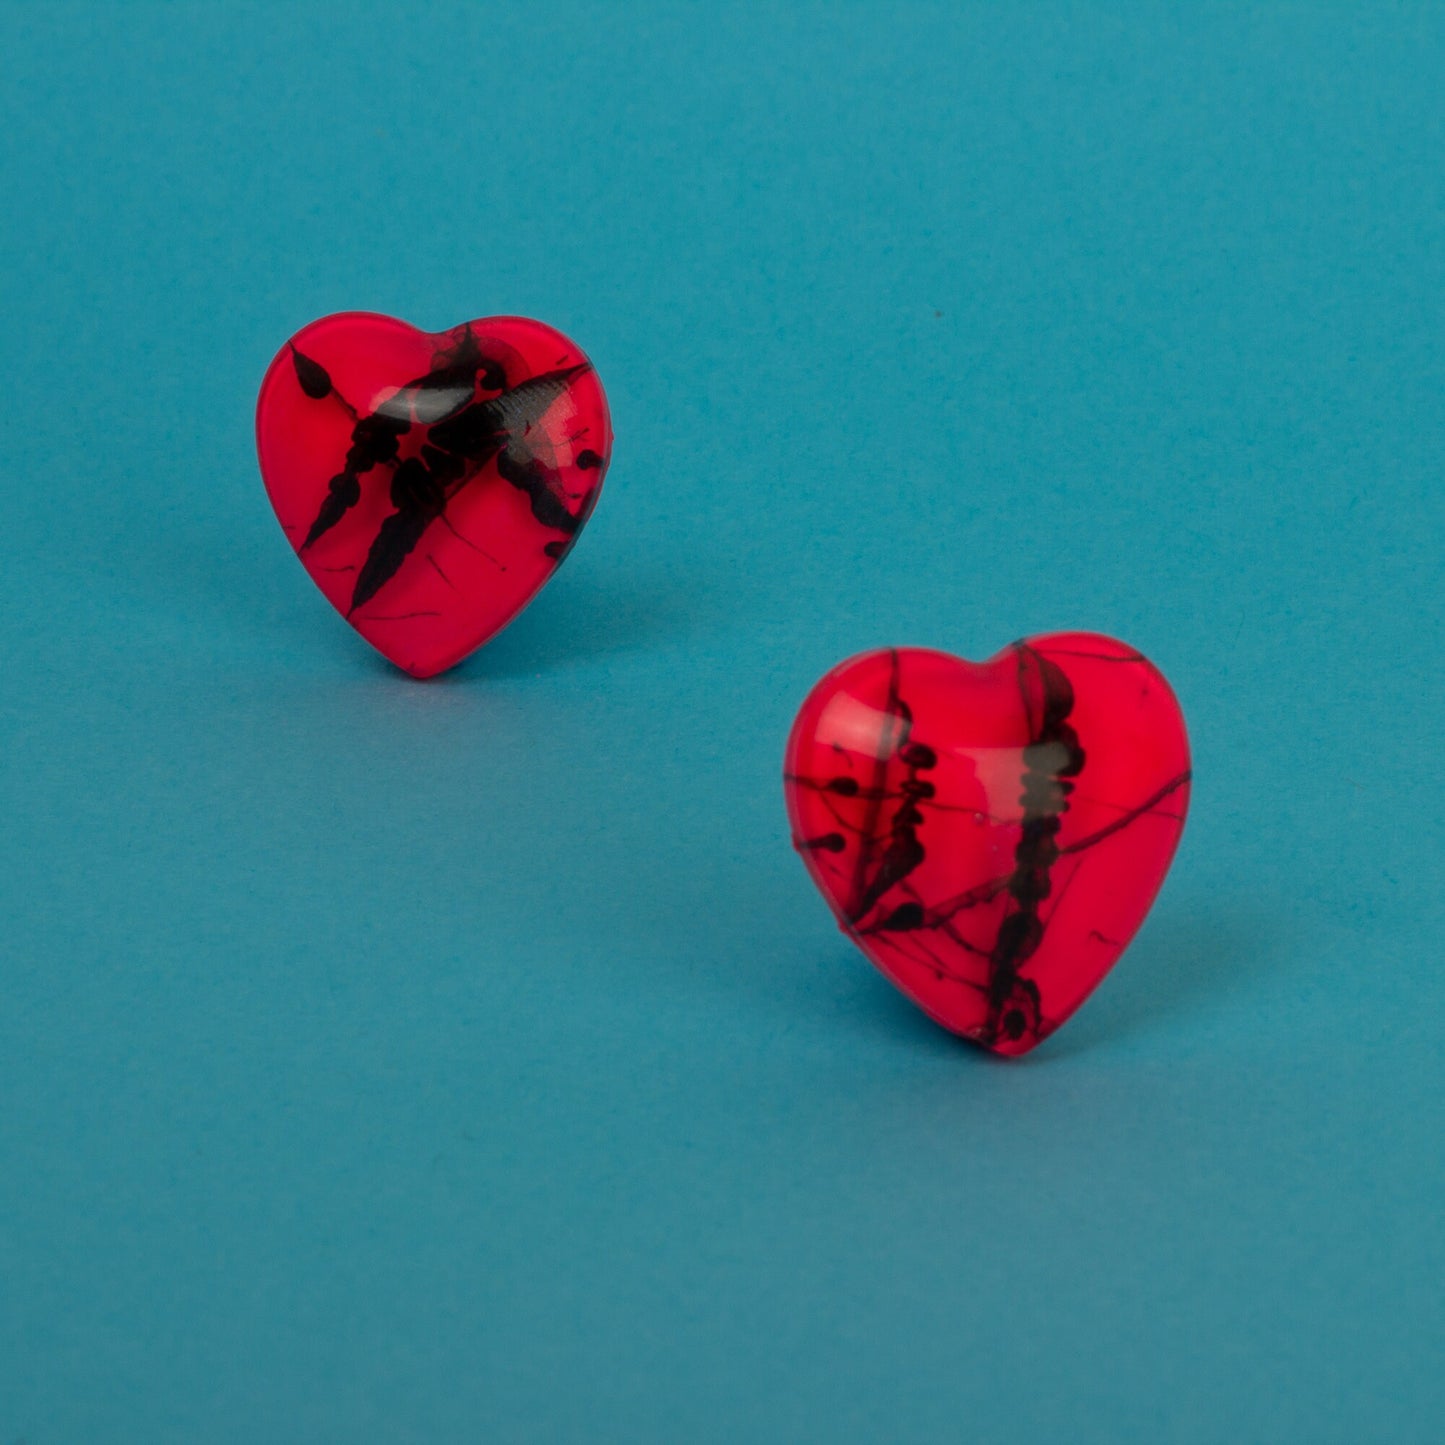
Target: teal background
(473,1061)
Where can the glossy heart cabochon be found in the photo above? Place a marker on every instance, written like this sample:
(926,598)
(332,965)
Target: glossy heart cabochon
(431,484)
(991,834)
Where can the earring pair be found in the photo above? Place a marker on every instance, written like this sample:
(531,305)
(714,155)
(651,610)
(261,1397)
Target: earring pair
(991,835)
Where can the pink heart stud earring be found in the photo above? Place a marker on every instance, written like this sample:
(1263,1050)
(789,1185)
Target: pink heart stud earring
(991,834)
(431,484)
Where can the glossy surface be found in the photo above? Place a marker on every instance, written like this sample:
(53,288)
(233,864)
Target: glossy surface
(431,484)
(991,834)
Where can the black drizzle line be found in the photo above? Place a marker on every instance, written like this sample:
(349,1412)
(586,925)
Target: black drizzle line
(462,433)
(1052,758)
(375,441)
(902,852)
(889,848)
(888,853)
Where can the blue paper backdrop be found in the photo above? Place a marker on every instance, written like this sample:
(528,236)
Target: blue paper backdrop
(474,1061)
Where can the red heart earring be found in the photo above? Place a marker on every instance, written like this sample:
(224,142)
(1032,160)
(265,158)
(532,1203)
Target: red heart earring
(991,834)
(431,484)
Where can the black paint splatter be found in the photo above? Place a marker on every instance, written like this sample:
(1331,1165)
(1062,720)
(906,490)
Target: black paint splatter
(455,419)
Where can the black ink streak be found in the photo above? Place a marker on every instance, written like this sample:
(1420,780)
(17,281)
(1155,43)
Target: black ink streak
(314,378)
(465,428)
(467,542)
(437,568)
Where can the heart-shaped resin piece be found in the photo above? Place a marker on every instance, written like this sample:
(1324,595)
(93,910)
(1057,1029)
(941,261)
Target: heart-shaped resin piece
(991,834)
(431,484)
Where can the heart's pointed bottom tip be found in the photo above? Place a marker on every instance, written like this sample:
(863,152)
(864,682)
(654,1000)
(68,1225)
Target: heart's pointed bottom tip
(1007,1052)
(420,669)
